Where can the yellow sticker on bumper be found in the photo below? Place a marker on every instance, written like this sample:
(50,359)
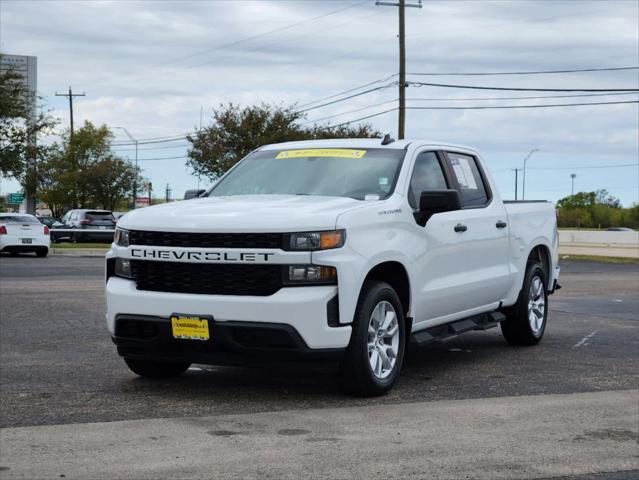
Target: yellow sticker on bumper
(321,152)
(190,328)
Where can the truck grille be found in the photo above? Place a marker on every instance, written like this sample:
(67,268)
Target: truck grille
(204,240)
(207,279)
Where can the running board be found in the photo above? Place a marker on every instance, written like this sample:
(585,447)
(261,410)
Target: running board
(442,333)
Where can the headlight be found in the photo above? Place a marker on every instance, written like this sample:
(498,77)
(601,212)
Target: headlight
(310,274)
(316,240)
(123,268)
(121,237)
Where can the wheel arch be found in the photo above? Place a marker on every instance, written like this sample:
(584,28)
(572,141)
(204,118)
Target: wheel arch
(541,253)
(396,275)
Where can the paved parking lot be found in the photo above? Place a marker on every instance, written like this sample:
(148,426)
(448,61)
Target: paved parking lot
(59,367)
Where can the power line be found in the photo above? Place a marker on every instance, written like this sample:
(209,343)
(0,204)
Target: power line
(583,167)
(349,97)
(349,112)
(151,148)
(260,35)
(462,99)
(537,72)
(520,89)
(347,91)
(522,106)
(364,118)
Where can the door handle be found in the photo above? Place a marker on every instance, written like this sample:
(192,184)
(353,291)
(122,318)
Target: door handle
(501,224)
(460,228)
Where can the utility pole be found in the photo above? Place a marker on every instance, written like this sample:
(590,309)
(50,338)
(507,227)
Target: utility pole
(70,96)
(135,179)
(167,193)
(572,179)
(523,187)
(401,126)
(516,170)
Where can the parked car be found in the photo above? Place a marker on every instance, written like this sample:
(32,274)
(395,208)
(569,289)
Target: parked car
(620,229)
(334,250)
(87,225)
(23,233)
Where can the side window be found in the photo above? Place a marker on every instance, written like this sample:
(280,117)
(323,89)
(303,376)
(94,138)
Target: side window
(467,174)
(427,175)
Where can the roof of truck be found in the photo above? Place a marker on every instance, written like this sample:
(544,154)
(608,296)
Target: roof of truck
(360,143)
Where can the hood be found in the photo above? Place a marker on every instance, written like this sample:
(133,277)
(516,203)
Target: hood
(247,213)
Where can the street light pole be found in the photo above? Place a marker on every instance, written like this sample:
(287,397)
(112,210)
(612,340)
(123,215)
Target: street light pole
(523,188)
(135,178)
(572,179)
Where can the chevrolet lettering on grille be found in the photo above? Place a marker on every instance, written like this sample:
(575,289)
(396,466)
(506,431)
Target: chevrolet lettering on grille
(200,255)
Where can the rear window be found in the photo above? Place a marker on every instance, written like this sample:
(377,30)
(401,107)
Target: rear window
(100,216)
(18,219)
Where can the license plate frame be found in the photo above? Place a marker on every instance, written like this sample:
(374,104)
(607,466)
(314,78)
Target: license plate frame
(27,241)
(187,326)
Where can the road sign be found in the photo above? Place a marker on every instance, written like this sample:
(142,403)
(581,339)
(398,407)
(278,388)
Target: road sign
(143,201)
(15,198)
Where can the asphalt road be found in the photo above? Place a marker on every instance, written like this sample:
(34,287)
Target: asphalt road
(59,367)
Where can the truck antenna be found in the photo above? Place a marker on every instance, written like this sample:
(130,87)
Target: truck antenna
(387,139)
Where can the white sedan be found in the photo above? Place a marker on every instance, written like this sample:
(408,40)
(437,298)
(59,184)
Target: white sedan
(20,232)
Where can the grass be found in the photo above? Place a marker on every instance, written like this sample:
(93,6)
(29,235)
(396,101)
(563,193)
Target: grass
(70,246)
(596,258)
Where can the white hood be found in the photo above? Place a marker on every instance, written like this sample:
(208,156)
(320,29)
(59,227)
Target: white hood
(248,213)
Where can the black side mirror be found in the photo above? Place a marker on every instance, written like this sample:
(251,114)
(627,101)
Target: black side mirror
(436,201)
(193,194)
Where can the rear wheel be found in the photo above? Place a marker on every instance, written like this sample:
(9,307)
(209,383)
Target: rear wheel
(151,369)
(42,252)
(374,357)
(526,320)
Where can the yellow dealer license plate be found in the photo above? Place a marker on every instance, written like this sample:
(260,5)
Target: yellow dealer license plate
(189,327)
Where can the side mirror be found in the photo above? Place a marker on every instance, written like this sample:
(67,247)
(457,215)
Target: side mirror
(437,201)
(193,194)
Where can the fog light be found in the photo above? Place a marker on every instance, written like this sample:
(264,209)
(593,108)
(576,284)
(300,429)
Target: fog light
(123,268)
(311,274)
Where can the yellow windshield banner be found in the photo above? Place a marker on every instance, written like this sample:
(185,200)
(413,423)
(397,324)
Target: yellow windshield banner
(321,152)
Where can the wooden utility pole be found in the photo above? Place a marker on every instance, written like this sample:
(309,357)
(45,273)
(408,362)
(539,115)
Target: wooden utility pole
(70,96)
(401,126)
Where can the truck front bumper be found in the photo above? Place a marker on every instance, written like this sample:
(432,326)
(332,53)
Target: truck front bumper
(293,321)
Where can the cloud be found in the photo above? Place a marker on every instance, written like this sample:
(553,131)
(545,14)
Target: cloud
(150,66)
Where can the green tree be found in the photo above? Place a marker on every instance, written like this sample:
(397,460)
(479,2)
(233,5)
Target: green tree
(20,127)
(237,131)
(596,209)
(83,172)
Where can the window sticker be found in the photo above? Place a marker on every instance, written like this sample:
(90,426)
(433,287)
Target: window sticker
(383,181)
(321,152)
(371,196)
(464,173)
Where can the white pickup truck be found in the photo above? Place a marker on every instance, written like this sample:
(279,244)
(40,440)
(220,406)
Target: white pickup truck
(341,250)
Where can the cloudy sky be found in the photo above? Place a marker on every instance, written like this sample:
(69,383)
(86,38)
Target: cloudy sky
(151,67)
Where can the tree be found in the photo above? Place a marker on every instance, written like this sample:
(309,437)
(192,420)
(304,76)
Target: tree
(83,172)
(596,209)
(20,126)
(237,131)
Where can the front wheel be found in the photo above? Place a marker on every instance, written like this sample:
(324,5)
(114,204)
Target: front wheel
(374,357)
(151,369)
(525,322)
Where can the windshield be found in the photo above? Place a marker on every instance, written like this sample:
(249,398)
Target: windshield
(368,174)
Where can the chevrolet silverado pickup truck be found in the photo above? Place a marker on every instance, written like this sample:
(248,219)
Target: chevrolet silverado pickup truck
(337,251)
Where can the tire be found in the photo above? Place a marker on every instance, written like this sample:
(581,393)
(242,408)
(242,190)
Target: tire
(523,324)
(73,238)
(42,253)
(362,371)
(151,369)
